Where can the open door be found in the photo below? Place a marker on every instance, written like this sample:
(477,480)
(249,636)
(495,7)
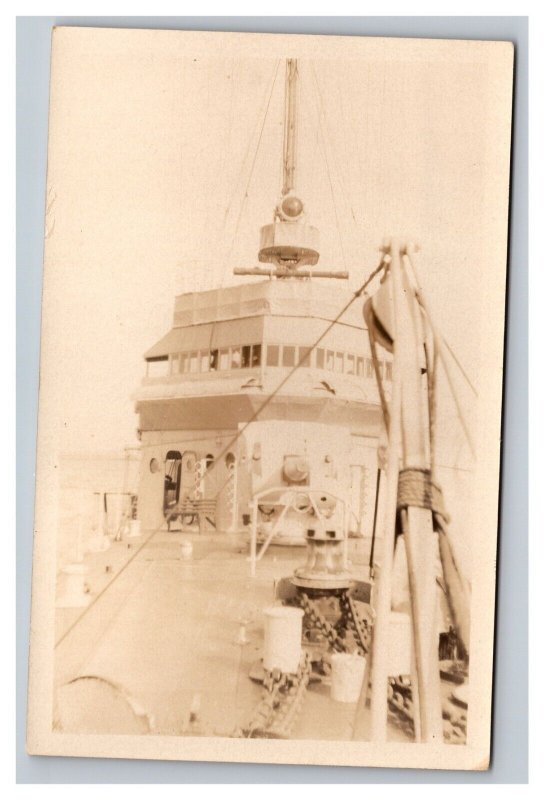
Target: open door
(172,480)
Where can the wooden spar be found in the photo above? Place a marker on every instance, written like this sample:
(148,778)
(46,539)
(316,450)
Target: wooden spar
(418,531)
(383,604)
(408,443)
(285,273)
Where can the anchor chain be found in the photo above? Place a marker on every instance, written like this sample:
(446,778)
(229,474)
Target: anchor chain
(289,709)
(401,707)
(400,704)
(282,699)
(318,620)
(360,628)
(350,621)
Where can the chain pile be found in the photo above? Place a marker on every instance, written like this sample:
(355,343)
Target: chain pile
(282,699)
(283,694)
(401,709)
(350,623)
(399,691)
(399,701)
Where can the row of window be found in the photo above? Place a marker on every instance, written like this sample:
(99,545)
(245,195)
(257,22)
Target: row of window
(273,355)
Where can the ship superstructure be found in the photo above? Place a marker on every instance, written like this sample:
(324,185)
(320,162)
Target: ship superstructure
(279,355)
(228,351)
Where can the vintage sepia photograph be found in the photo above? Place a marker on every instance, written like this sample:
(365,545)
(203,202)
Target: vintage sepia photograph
(270,398)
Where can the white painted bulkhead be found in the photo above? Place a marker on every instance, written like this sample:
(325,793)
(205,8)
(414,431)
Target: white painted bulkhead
(340,463)
(325,410)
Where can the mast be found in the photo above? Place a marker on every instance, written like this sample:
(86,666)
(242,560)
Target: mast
(290,129)
(289,243)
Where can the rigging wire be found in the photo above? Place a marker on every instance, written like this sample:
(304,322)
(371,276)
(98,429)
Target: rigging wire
(323,112)
(327,134)
(247,152)
(100,594)
(437,339)
(338,162)
(227,144)
(252,167)
(423,304)
(460,366)
(329,176)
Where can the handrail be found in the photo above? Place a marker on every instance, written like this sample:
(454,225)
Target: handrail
(286,496)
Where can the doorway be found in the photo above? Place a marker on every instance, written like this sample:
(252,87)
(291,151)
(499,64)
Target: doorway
(179,479)
(172,480)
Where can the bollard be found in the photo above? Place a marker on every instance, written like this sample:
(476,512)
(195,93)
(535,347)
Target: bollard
(282,638)
(347,674)
(186,550)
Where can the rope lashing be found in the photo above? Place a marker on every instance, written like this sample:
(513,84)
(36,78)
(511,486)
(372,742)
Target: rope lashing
(417,489)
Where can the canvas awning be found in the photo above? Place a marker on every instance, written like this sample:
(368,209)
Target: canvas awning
(225,333)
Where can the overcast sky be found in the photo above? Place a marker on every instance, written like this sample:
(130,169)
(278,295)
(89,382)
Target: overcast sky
(163,165)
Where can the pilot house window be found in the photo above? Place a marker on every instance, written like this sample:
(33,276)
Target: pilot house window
(304,356)
(288,359)
(224,359)
(236,358)
(272,355)
(246,356)
(249,356)
(320,358)
(255,355)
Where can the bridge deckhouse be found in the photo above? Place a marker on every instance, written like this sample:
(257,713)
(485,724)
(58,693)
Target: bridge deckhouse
(230,348)
(277,353)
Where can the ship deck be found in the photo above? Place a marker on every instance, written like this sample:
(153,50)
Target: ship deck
(165,630)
